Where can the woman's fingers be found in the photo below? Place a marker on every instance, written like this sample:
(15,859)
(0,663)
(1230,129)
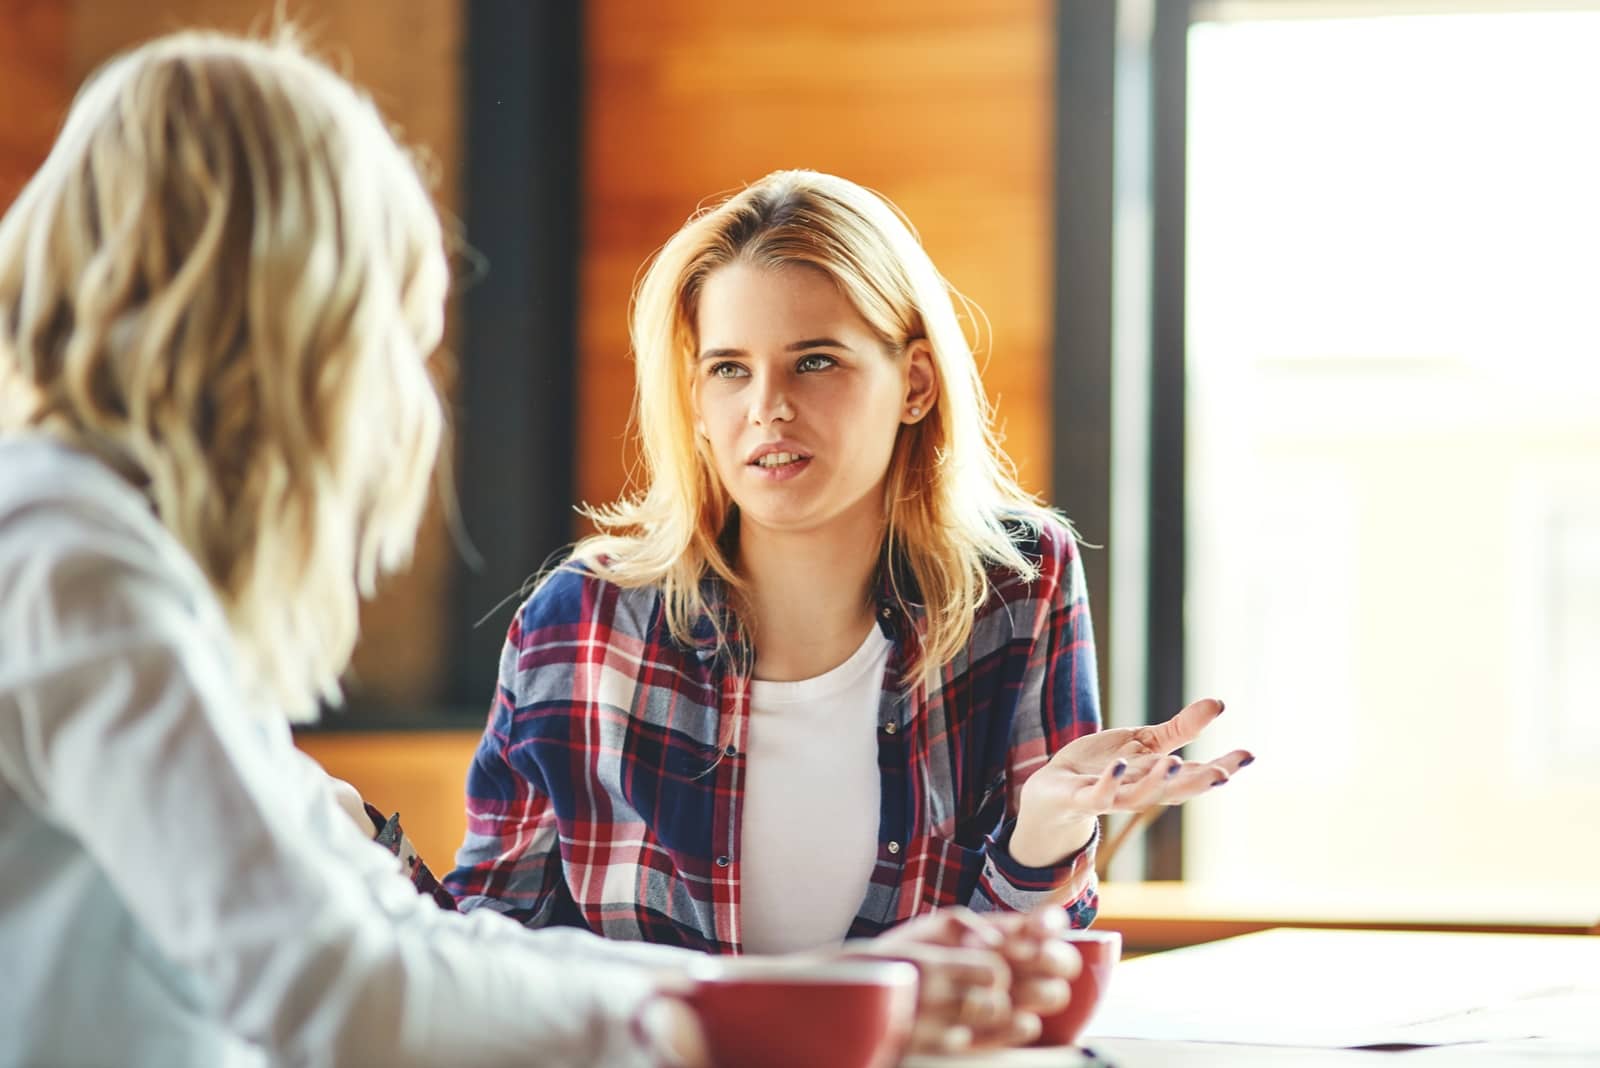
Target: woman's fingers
(932,1035)
(1019,1030)
(672,1027)
(1195,778)
(948,927)
(1183,728)
(963,993)
(1232,762)
(1041,995)
(1149,781)
(1104,788)
(1169,780)
(947,974)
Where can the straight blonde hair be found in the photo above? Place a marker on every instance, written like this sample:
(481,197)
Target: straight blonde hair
(224,281)
(950,490)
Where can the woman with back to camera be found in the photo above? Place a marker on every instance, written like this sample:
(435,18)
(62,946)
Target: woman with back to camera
(832,668)
(217,429)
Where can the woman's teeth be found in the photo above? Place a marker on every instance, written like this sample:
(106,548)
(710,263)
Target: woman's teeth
(778,459)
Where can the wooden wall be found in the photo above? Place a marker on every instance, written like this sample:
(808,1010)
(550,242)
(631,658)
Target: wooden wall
(34,88)
(942,105)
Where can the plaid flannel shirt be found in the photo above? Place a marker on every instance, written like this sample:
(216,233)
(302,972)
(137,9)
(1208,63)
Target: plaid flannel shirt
(606,792)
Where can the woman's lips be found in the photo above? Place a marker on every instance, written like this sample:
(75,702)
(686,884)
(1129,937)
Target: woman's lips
(782,472)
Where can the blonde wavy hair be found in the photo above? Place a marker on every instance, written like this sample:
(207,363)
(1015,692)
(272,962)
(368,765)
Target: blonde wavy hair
(225,281)
(950,489)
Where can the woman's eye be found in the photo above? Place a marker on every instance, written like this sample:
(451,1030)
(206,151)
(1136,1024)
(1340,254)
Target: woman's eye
(815,362)
(726,370)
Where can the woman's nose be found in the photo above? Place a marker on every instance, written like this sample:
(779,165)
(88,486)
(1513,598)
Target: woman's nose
(770,403)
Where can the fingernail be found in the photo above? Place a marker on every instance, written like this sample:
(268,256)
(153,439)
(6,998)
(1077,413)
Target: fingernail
(1221,708)
(1173,770)
(1247,761)
(1219,782)
(1119,769)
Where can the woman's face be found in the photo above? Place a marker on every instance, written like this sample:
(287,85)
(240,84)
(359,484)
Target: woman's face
(796,398)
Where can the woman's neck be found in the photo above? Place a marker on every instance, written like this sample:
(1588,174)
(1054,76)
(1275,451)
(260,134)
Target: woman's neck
(810,595)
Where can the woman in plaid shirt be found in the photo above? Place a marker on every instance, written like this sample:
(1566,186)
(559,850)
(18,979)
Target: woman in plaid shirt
(833,668)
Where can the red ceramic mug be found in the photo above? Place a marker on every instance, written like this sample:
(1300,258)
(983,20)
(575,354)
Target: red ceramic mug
(1100,951)
(774,1014)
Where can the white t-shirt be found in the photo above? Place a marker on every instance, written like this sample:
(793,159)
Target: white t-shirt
(178,885)
(810,824)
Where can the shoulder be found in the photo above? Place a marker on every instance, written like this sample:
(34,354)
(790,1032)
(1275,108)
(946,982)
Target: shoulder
(1023,604)
(87,571)
(572,597)
(1045,539)
(76,539)
(1042,535)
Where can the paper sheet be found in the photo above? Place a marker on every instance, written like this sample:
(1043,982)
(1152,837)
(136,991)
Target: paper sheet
(1339,989)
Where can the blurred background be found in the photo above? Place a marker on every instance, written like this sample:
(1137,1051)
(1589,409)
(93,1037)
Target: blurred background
(1291,307)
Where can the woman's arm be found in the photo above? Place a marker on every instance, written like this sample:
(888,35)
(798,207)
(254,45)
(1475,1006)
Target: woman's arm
(510,859)
(128,732)
(1058,701)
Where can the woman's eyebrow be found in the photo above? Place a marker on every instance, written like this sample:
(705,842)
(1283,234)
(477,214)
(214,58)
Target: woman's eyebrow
(795,346)
(818,343)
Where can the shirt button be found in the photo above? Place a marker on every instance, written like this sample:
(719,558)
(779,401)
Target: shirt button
(722,862)
(730,751)
(886,612)
(889,728)
(894,847)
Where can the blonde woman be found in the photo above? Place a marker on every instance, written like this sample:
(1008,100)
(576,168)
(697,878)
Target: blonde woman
(217,428)
(832,668)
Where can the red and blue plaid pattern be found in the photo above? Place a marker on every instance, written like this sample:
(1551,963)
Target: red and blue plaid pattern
(607,790)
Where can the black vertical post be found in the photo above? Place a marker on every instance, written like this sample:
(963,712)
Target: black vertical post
(1086,38)
(1169,100)
(515,426)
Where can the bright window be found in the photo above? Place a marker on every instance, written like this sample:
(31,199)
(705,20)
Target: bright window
(1394,448)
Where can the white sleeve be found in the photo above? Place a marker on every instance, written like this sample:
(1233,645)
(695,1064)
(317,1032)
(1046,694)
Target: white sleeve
(128,734)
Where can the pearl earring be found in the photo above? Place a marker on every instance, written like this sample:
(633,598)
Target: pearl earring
(916,411)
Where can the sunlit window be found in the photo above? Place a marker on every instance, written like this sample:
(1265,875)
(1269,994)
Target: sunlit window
(1394,448)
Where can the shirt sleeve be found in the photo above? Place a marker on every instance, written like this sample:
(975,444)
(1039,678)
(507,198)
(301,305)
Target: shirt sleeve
(1058,702)
(510,859)
(122,726)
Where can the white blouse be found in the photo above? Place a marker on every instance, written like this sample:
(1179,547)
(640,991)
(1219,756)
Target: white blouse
(178,885)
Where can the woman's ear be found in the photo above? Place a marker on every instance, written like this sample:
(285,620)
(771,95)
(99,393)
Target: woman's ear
(922,381)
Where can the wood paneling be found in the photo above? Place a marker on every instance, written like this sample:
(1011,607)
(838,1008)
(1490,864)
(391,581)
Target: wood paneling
(407,55)
(34,87)
(942,106)
(420,774)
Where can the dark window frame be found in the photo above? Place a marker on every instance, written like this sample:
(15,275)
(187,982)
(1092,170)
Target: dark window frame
(1086,61)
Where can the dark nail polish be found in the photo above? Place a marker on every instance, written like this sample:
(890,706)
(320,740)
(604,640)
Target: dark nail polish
(1173,770)
(1247,761)
(1120,769)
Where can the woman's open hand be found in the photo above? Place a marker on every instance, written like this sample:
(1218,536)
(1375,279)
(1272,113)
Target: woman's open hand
(1121,769)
